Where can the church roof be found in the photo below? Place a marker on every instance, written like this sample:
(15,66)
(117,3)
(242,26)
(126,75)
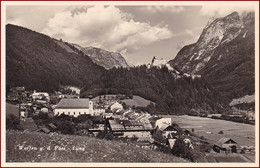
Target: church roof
(73,104)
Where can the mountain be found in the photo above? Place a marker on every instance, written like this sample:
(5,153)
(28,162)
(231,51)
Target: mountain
(224,55)
(160,63)
(41,63)
(102,57)
(37,62)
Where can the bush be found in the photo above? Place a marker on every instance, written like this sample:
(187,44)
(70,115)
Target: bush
(65,127)
(101,135)
(109,136)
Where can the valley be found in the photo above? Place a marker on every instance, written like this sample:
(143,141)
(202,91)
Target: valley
(74,102)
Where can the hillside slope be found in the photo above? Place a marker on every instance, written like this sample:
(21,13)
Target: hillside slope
(37,62)
(36,147)
(224,54)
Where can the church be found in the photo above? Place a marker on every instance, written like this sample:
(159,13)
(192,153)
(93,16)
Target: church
(74,107)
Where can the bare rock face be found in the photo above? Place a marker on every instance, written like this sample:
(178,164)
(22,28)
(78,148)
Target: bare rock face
(224,55)
(193,58)
(104,58)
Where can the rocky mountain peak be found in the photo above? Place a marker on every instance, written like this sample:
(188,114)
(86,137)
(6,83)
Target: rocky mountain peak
(99,56)
(105,58)
(219,31)
(224,55)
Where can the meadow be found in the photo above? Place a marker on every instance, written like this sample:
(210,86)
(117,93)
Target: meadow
(37,147)
(243,134)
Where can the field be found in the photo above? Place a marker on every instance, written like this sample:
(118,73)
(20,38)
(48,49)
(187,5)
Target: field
(12,109)
(137,101)
(36,147)
(243,134)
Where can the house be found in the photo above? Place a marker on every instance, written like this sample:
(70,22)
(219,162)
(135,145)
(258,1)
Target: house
(146,123)
(74,107)
(107,115)
(225,145)
(40,95)
(44,110)
(141,135)
(132,125)
(116,105)
(99,111)
(216,116)
(44,130)
(18,89)
(114,125)
(68,96)
(171,143)
(162,122)
(128,113)
(168,130)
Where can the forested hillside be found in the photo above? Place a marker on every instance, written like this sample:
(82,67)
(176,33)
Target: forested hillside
(172,96)
(35,61)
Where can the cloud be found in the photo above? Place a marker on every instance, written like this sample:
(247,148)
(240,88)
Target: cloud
(220,11)
(105,27)
(33,17)
(156,9)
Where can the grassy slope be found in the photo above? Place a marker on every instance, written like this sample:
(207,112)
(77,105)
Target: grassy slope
(137,101)
(12,109)
(95,150)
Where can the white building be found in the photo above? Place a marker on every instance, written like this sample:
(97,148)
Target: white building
(40,95)
(74,107)
(163,123)
(116,105)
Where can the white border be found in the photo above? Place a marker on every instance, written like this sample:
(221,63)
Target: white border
(133,3)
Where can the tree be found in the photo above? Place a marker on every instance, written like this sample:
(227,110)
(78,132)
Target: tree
(157,136)
(124,105)
(65,127)
(109,136)
(181,149)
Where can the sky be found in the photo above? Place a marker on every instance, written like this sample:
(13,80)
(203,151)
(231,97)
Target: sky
(138,32)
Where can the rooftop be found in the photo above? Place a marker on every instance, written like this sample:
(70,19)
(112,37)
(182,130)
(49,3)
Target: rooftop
(223,141)
(73,104)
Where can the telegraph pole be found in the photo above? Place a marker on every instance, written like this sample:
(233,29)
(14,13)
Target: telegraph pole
(19,100)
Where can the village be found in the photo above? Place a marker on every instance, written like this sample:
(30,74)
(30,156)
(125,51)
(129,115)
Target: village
(106,117)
